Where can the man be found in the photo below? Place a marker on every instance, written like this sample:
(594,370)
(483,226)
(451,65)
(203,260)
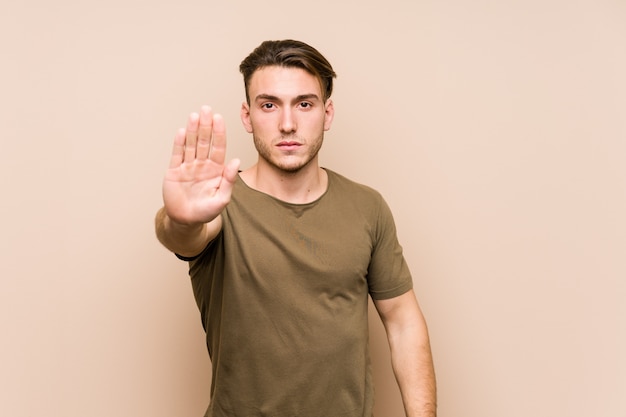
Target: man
(284,254)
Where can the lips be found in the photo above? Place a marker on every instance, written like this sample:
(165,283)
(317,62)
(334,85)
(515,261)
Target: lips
(288,145)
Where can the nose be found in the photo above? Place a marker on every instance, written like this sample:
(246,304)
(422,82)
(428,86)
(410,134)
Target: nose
(287,121)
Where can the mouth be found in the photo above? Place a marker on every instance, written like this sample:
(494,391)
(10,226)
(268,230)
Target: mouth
(288,145)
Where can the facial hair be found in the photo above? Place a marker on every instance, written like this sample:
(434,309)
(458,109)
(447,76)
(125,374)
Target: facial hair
(265,152)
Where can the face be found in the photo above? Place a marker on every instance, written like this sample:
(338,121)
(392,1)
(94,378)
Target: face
(287,117)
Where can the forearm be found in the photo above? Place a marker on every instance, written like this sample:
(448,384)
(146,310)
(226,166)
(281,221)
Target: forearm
(413,367)
(185,240)
(411,356)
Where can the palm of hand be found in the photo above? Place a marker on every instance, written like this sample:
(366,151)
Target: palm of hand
(197,185)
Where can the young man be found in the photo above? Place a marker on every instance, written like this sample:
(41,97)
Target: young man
(284,254)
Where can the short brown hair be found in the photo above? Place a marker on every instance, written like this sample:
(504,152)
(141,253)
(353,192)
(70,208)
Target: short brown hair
(291,54)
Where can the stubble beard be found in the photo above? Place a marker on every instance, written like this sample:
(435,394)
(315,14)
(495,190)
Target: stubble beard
(265,153)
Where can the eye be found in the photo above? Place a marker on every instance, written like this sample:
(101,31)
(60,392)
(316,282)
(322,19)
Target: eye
(267,106)
(305,105)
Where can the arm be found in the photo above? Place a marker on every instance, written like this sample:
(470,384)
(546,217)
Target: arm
(411,357)
(197,185)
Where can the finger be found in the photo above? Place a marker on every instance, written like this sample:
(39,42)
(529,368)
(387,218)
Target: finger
(228,180)
(218,141)
(205,130)
(179,149)
(231,170)
(191,137)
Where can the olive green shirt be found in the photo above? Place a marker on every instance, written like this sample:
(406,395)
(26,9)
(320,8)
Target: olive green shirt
(283,294)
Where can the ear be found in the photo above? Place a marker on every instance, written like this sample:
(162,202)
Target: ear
(245,117)
(329,114)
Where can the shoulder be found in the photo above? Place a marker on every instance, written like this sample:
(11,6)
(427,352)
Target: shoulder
(362,201)
(360,198)
(338,182)
(243,192)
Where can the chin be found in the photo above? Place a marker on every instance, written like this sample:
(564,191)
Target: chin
(290,169)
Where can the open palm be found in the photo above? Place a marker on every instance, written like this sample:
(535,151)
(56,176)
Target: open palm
(197,184)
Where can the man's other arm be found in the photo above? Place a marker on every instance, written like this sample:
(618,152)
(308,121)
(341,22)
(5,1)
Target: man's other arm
(411,356)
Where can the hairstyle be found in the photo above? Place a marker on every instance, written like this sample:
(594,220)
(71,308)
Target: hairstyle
(290,54)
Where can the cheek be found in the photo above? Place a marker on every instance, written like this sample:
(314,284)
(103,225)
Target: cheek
(260,122)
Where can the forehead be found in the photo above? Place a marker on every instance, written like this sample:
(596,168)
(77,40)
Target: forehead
(283,81)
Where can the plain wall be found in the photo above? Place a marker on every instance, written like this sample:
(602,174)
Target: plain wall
(495,130)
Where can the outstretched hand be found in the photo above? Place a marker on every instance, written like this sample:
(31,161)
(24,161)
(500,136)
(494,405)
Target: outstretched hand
(198,185)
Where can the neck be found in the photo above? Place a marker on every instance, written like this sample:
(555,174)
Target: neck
(299,187)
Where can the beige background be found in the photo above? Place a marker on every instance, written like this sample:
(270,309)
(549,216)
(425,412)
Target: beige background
(495,130)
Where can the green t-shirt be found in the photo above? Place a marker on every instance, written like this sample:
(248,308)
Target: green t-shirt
(283,293)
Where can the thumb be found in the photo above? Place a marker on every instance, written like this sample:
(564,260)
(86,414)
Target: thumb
(231,170)
(229,177)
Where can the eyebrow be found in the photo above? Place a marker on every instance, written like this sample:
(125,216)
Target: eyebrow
(301,97)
